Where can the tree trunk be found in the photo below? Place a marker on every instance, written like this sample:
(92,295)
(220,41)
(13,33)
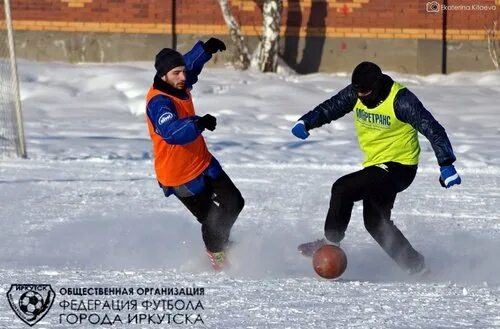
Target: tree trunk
(242,53)
(269,45)
(493,48)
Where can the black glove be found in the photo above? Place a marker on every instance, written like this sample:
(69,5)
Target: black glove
(213,45)
(207,121)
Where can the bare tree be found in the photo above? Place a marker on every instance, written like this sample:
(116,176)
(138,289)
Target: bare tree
(242,52)
(493,44)
(269,44)
(267,50)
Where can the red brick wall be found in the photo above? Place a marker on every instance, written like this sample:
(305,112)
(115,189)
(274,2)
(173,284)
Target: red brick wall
(386,18)
(133,11)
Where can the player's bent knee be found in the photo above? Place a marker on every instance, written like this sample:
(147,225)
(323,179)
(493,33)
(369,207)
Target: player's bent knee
(373,226)
(237,204)
(338,188)
(241,203)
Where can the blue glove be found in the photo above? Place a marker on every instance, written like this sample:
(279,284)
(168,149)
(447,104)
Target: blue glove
(299,130)
(449,176)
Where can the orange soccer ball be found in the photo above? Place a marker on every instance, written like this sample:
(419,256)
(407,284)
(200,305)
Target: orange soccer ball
(329,261)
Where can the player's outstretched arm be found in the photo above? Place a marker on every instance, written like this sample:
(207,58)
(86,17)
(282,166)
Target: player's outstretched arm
(331,109)
(196,58)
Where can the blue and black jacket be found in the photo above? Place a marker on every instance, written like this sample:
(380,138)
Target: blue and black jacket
(407,108)
(162,114)
(175,130)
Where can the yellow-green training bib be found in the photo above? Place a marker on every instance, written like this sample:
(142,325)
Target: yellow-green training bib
(382,137)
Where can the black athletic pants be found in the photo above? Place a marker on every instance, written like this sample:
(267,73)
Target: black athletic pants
(377,186)
(216,208)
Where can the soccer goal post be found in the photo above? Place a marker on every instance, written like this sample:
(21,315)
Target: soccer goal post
(12,142)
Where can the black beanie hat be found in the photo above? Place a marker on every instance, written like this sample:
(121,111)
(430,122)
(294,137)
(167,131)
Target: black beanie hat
(166,60)
(365,76)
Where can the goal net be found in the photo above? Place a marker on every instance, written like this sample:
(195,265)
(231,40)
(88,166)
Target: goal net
(12,142)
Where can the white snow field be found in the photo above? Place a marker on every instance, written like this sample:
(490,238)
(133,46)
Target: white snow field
(84,210)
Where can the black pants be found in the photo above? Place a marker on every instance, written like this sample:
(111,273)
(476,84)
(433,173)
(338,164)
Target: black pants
(377,186)
(216,208)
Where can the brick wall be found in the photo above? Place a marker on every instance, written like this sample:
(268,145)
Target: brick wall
(349,19)
(334,34)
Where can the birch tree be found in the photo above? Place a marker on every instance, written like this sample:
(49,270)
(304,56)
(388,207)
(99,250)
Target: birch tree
(269,44)
(493,48)
(267,50)
(238,39)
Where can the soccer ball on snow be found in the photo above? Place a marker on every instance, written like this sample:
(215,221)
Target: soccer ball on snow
(31,302)
(329,261)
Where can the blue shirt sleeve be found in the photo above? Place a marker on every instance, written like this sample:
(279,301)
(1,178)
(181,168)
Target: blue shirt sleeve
(195,59)
(409,109)
(331,109)
(163,116)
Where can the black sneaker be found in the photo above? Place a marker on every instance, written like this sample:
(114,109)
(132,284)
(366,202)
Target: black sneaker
(307,249)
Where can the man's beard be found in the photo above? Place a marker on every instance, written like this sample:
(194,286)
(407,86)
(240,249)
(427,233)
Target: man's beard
(170,89)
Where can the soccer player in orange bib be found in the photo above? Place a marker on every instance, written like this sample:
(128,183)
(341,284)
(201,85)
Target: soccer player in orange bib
(184,167)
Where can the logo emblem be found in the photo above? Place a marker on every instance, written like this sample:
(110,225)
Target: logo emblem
(31,302)
(432,7)
(165,117)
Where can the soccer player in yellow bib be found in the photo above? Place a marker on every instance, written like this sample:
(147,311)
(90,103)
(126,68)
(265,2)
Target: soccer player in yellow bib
(387,118)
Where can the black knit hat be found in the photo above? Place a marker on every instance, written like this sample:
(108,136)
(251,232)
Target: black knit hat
(365,76)
(166,60)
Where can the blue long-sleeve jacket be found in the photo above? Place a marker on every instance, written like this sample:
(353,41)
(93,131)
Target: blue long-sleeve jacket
(162,112)
(407,108)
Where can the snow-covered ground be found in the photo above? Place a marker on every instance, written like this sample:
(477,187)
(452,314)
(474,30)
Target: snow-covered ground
(85,210)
